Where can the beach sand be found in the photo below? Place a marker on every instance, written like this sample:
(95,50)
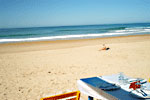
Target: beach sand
(31,70)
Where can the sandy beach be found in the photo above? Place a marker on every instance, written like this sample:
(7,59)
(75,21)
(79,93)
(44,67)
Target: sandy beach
(31,70)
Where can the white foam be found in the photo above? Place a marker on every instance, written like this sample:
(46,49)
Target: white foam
(59,37)
(134,30)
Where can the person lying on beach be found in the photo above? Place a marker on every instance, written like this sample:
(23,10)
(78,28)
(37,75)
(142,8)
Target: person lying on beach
(104,48)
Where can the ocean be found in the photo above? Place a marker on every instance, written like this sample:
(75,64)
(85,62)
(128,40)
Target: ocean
(8,35)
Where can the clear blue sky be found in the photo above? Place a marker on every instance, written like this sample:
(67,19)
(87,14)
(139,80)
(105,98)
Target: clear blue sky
(34,13)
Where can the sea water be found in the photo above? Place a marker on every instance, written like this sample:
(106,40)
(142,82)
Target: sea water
(72,32)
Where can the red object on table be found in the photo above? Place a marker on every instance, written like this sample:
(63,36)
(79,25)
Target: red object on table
(135,85)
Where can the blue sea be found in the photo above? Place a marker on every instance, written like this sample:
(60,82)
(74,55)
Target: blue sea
(8,35)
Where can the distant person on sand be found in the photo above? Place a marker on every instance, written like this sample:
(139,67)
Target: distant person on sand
(104,48)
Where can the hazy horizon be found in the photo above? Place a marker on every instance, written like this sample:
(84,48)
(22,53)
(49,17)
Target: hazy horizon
(78,25)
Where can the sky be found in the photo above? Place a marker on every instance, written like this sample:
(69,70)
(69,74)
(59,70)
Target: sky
(37,13)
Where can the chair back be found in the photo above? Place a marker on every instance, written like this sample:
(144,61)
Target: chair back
(66,96)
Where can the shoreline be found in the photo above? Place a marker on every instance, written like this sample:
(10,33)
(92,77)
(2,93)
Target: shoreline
(60,44)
